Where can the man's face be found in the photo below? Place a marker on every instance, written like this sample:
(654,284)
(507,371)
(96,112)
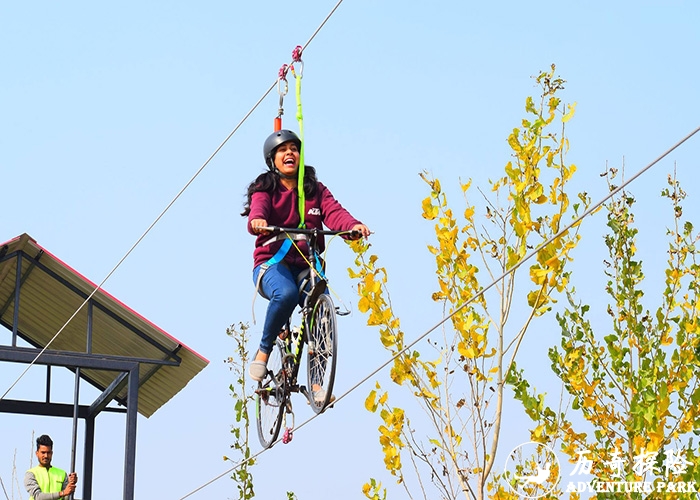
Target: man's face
(44,455)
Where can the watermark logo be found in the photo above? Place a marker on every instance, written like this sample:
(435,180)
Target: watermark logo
(659,468)
(532,470)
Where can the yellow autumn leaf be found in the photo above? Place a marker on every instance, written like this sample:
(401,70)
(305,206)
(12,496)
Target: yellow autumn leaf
(555,222)
(569,114)
(383,398)
(363,304)
(424,392)
(370,402)
(538,275)
(429,210)
(518,228)
(655,440)
(467,352)
(371,285)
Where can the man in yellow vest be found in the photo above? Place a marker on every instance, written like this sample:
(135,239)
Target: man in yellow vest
(45,482)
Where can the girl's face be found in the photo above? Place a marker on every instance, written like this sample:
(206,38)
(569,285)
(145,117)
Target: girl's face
(287,158)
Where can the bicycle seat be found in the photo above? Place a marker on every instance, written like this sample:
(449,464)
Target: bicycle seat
(318,290)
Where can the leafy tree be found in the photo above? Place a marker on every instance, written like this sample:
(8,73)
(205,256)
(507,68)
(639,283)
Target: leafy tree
(460,379)
(636,386)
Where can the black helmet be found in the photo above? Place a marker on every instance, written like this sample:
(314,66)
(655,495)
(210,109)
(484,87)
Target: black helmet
(275,140)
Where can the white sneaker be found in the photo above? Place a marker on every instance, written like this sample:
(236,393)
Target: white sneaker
(257,370)
(320,396)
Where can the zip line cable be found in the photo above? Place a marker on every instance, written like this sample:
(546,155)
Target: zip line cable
(481,292)
(160,216)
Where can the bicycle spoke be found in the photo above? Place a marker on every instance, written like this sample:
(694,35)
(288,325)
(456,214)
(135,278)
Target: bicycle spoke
(322,354)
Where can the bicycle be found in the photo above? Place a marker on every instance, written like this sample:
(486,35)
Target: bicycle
(318,333)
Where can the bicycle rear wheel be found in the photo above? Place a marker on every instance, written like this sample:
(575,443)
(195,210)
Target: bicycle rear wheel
(322,353)
(270,400)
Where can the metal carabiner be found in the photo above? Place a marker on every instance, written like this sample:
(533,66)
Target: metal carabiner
(282,91)
(301,69)
(282,77)
(289,430)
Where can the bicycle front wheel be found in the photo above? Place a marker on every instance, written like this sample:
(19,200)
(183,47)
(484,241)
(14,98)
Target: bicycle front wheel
(322,352)
(270,399)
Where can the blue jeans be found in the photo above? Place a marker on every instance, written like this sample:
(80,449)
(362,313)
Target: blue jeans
(279,285)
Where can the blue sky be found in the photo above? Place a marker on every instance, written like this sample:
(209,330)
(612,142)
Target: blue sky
(107,110)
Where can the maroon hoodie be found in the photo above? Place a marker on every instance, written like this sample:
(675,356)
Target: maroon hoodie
(279,208)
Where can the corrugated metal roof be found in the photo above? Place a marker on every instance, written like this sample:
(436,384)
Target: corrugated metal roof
(52,291)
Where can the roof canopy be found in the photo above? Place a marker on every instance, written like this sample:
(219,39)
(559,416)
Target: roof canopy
(50,292)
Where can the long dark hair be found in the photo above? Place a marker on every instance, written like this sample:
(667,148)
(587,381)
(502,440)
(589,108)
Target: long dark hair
(268,182)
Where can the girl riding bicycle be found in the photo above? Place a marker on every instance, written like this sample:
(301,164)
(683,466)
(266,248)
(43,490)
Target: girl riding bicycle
(273,200)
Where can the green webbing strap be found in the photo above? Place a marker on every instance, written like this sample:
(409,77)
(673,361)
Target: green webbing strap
(300,182)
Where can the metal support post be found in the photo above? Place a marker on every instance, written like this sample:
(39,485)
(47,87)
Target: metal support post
(89,455)
(88,347)
(48,383)
(131,415)
(76,407)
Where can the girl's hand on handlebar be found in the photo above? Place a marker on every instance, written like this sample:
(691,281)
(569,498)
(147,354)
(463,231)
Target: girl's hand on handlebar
(259,226)
(358,231)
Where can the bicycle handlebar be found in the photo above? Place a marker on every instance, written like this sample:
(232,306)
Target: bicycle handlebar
(312,231)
